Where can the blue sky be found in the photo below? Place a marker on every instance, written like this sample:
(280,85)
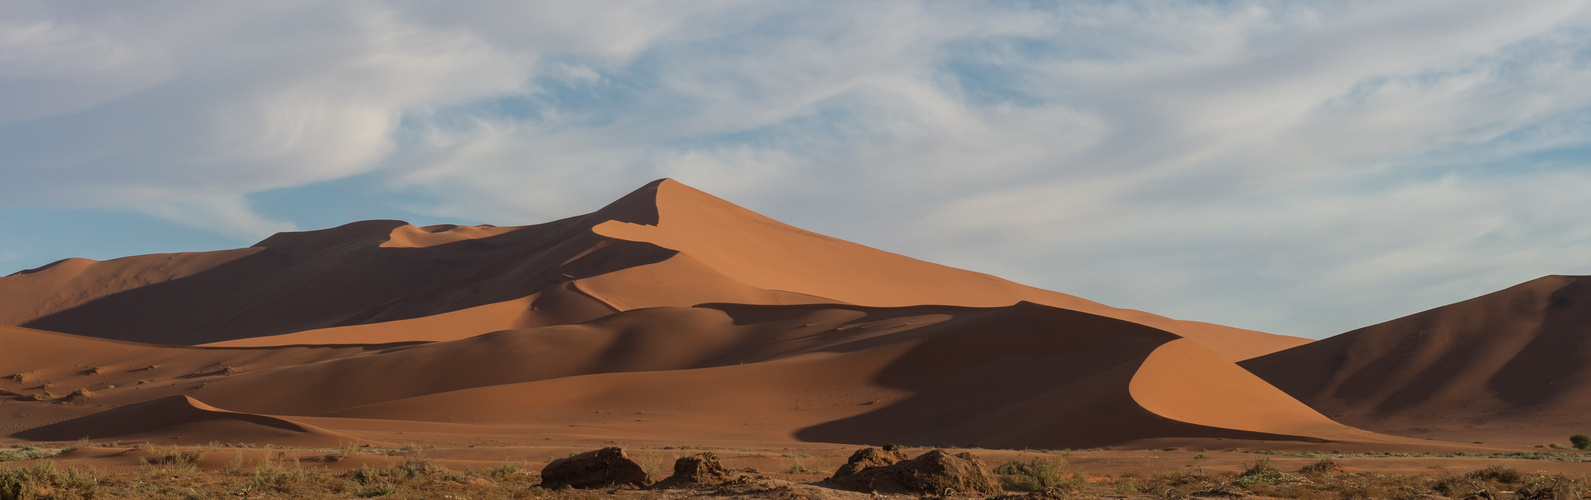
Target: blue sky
(1296,167)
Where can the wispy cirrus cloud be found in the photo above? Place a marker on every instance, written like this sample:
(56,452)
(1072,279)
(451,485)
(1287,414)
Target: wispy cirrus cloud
(1300,168)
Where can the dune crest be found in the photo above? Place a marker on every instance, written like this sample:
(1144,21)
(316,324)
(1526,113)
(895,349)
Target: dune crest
(755,250)
(409,236)
(1187,382)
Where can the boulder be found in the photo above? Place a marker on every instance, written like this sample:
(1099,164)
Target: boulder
(936,472)
(696,471)
(607,467)
(870,457)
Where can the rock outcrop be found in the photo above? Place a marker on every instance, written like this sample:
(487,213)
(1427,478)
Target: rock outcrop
(607,467)
(697,471)
(936,472)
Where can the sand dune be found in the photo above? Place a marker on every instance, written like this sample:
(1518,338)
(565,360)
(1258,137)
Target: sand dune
(666,314)
(1025,375)
(662,245)
(1505,367)
(953,378)
(184,420)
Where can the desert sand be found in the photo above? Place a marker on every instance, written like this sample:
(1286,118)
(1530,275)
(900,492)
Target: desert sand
(1507,367)
(671,316)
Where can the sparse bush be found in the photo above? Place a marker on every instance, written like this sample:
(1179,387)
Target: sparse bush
(1483,482)
(1033,475)
(1452,485)
(654,463)
(1262,472)
(1499,474)
(177,461)
(1324,466)
(235,466)
(1126,486)
(1171,484)
(347,449)
(376,491)
(26,453)
(1550,488)
(1580,441)
(45,481)
(507,471)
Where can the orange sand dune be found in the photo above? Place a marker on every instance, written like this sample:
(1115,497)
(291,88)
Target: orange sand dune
(1025,375)
(666,313)
(662,245)
(184,420)
(294,282)
(1507,367)
(1020,376)
(764,253)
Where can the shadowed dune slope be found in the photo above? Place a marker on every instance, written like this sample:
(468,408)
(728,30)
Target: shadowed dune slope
(665,244)
(184,420)
(1513,365)
(1025,375)
(1019,376)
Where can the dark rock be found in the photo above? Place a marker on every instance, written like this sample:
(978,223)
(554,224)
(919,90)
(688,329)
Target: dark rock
(696,471)
(936,472)
(594,469)
(870,457)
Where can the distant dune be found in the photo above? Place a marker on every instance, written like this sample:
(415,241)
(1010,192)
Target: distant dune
(1512,366)
(184,420)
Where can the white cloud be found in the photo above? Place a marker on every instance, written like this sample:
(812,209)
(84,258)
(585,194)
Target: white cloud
(243,98)
(1299,167)
(228,215)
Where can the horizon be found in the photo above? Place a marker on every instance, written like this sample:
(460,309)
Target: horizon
(1299,170)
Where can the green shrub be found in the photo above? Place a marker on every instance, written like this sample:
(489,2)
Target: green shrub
(1261,472)
(45,481)
(1324,466)
(26,453)
(1033,475)
(1580,441)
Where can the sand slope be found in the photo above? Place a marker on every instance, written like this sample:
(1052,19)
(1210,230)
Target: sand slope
(666,314)
(184,420)
(1025,375)
(1510,366)
(665,244)
(1020,376)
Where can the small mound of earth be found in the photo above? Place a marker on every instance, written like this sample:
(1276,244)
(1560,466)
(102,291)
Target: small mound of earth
(602,468)
(936,472)
(697,471)
(870,457)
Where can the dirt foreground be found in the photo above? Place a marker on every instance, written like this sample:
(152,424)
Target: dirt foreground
(141,470)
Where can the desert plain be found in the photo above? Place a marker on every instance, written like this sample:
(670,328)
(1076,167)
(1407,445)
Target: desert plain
(379,358)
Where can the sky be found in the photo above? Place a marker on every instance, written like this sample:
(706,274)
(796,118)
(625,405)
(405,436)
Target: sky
(1302,168)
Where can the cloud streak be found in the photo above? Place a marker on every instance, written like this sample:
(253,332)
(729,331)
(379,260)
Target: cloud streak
(1298,168)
